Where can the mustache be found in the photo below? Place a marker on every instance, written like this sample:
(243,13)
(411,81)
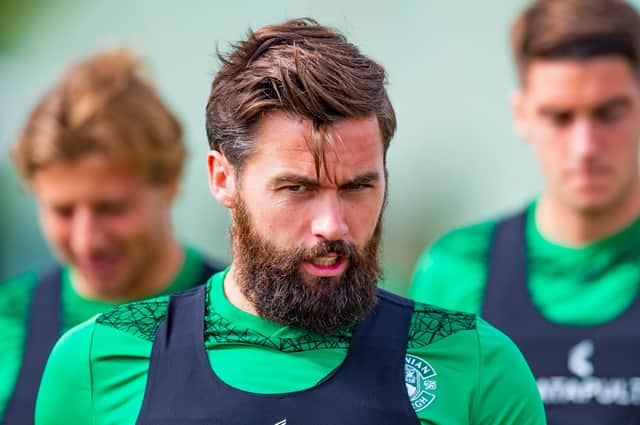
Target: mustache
(324,248)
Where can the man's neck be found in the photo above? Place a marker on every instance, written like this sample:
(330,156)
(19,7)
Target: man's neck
(568,226)
(234,294)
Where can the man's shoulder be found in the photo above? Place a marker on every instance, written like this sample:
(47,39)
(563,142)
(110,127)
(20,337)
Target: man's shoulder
(451,272)
(22,282)
(139,318)
(478,344)
(466,240)
(15,293)
(459,356)
(430,324)
(493,342)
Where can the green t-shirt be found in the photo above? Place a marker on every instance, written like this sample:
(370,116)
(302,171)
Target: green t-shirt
(15,300)
(578,286)
(472,373)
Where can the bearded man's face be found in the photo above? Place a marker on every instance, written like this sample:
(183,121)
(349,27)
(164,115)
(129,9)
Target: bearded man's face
(306,235)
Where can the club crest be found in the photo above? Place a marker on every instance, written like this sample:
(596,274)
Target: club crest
(420,382)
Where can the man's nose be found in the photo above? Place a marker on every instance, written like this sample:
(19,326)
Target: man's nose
(328,218)
(584,139)
(86,233)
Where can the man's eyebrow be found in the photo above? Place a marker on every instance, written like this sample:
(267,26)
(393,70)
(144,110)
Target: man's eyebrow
(614,102)
(295,179)
(553,110)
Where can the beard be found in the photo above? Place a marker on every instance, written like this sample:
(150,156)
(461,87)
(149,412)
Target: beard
(272,279)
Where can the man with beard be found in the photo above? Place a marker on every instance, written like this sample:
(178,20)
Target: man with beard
(561,276)
(103,156)
(295,331)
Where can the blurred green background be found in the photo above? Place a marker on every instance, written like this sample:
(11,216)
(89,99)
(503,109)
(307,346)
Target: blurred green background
(455,157)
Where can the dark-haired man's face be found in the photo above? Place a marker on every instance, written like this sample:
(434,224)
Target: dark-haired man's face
(306,248)
(583,120)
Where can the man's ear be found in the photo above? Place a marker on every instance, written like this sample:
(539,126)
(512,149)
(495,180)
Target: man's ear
(520,113)
(222,178)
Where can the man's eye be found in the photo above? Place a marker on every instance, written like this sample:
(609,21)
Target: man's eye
(608,115)
(296,188)
(561,119)
(63,212)
(355,187)
(111,208)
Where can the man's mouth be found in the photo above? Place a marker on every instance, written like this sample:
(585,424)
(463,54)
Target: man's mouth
(589,176)
(98,266)
(326,265)
(325,261)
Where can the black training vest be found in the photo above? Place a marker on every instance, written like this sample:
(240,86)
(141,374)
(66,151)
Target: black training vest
(367,388)
(587,375)
(44,325)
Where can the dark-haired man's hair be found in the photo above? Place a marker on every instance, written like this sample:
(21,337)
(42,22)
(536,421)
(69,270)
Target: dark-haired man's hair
(297,67)
(576,30)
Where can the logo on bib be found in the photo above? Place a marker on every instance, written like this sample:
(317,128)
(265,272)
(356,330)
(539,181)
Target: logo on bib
(585,386)
(578,361)
(418,377)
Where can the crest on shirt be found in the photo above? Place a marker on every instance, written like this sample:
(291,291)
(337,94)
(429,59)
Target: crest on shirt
(419,379)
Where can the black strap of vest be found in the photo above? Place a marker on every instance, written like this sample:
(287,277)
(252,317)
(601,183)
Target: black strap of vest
(181,310)
(507,266)
(43,329)
(379,343)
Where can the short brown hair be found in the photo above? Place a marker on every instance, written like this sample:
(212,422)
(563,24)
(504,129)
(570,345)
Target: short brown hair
(575,30)
(298,67)
(102,105)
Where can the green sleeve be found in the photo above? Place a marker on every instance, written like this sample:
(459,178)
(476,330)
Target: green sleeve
(452,273)
(507,393)
(65,391)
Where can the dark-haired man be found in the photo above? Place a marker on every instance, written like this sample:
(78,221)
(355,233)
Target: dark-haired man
(561,277)
(103,156)
(294,332)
